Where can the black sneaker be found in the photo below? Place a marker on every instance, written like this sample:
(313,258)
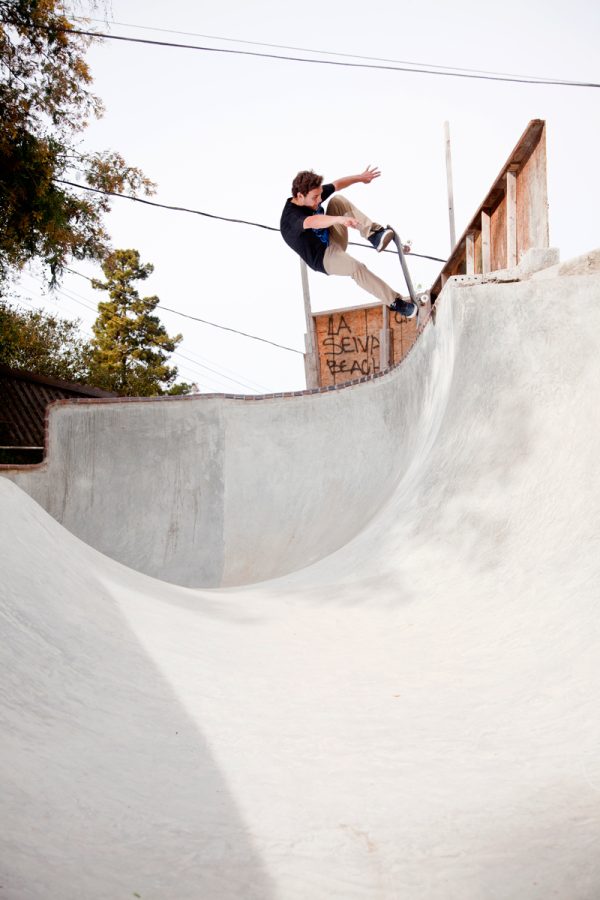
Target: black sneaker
(380,239)
(408,310)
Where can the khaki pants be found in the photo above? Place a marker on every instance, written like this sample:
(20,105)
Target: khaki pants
(337,262)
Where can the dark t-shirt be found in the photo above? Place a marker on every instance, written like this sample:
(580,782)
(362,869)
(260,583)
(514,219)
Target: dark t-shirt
(305,241)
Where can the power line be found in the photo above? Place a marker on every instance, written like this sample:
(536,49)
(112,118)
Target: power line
(69,295)
(243,384)
(195,369)
(72,296)
(82,301)
(205,360)
(233,330)
(22,300)
(197,212)
(332,62)
(176,312)
(399,62)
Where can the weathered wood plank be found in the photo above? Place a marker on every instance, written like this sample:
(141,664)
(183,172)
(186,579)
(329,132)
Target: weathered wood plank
(511,218)
(485,242)
(498,237)
(532,201)
(470,253)
(385,340)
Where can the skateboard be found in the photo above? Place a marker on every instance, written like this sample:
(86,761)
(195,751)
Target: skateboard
(418,299)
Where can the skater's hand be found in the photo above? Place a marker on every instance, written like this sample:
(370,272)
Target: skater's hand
(365,177)
(348,221)
(369,174)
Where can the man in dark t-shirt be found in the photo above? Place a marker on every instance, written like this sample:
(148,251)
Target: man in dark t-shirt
(321,239)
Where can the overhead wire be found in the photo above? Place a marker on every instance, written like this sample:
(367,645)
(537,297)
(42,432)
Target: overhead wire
(65,294)
(243,384)
(69,295)
(206,361)
(399,62)
(22,300)
(334,62)
(233,330)
(73,297)
(176,312)
(198,212)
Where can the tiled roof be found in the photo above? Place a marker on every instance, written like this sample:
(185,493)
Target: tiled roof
(24,397)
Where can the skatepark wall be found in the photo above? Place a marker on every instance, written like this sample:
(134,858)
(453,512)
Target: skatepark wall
(414,716)
(217,491)
(221,491)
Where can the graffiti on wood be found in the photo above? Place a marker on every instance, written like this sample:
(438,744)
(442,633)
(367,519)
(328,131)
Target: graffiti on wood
(349,343)
(347,353)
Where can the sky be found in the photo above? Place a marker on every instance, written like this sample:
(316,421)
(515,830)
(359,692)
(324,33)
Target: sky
(226,134)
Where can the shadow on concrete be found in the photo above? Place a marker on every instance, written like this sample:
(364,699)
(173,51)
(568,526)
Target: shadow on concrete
(108,785)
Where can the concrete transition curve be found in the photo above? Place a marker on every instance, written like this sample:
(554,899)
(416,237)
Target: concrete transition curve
(342,645)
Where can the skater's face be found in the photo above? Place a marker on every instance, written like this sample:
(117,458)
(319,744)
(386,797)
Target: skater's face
(312,199)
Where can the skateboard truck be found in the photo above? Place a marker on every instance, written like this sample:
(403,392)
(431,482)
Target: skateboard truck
(417,299)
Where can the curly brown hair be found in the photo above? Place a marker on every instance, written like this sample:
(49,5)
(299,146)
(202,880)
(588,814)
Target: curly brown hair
(305,181)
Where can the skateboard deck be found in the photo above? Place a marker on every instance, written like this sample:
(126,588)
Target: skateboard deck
(398,242)
(418,299)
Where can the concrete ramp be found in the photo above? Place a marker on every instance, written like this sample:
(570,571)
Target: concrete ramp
(409,710)
(210,492)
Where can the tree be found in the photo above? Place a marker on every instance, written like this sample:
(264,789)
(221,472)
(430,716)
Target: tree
(130,346)
(43,343)
(45,102)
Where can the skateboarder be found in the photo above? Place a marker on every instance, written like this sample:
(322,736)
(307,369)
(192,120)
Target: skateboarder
(321,239)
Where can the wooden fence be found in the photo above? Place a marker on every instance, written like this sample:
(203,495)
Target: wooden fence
(512,219)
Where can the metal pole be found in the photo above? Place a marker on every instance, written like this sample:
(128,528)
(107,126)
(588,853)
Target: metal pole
(450,189)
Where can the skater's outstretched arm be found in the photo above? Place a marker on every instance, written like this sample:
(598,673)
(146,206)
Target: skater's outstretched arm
(365,177)
(324,221)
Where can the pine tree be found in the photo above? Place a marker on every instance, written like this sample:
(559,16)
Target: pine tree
(130,347)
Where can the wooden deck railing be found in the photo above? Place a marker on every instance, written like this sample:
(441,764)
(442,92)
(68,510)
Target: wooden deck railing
(512,219)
